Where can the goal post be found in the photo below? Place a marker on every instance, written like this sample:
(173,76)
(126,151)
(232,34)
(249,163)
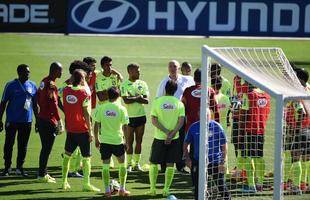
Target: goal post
(270,71)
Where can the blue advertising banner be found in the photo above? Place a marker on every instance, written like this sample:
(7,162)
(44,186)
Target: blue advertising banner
(287,18)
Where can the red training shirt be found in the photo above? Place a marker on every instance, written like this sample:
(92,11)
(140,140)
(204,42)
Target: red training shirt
(191,100)
(48,101)
(74,99)
(92,83)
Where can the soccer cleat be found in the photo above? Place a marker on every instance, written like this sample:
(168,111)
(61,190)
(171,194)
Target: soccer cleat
(151,193)
(21,172)
(129,168)
(138,168)
(51,178)
(90,188)
(6,172)
(296,191)
(166,193)
(259,188)
(108,194)
(286,186)
(65,186)
(46,179)
(248,189)
(171,197)
(75,175)
(303,186)
(123,193)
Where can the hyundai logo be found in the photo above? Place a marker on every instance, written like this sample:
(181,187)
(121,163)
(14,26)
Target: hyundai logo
(105,15)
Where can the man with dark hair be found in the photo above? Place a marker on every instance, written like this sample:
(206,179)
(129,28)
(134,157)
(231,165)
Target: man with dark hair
(216,70)
(168,115)
(135,94)
(49,121)
(19,100)
(112,118)
(186,69)
(92,79)
(78,126)
(106,79)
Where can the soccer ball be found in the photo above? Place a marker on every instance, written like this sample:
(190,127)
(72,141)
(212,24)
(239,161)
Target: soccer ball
(171,197)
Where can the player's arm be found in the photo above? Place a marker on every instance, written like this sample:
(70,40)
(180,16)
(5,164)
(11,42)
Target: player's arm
(102,95)
(213,105)
(158,125)
(143,99)
(176,129)
(96,133)
(60,105)
(88,122)
(53,106)
(118,74)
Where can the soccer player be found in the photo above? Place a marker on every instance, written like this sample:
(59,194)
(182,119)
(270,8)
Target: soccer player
(300,152)
(106,79)
(255,112)
(78,126)
(168,117)
(216,70)
(76,155)
(49,121)
(135,94)
(92,79)
(112,118)
(191,100)
(182,82)
(186,69)
(19,101)
(224,105)
(217,151)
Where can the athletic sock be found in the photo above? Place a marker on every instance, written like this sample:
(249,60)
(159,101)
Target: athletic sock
(78,158)
(304,171)
(129,159)
(86,170)
(259,164)
(65,167)
(106,176)
(137,158)
(169,174)
(122,174)
(287,165)
(296,167)
(308,172)
(249,171)
(240,161)
(153,173)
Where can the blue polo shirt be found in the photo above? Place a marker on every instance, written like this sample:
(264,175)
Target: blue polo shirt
(216,138)
(19,97)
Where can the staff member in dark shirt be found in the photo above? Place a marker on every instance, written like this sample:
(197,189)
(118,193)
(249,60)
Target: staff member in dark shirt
(19,99)
(49,122)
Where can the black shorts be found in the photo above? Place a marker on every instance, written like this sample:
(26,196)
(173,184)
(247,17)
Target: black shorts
(106,150)
(302,142)
(75,140)
(165,153)
(135,122)
(237,137)
(254,146)
(46,127)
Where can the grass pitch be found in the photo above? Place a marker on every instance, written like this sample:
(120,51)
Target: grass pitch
(153,55)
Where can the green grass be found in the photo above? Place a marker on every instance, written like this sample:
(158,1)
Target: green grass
(153,55)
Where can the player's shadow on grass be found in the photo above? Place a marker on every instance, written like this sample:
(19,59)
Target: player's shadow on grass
(304,63)
(25,192)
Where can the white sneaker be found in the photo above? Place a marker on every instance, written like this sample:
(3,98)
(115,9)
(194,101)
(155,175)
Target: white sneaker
(129,168)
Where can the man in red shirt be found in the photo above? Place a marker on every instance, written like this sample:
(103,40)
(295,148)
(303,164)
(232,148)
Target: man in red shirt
(254,115)
(49,122)
(191,100)
(79,133)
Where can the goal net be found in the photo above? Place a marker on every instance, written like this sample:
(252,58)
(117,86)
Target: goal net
(262,104)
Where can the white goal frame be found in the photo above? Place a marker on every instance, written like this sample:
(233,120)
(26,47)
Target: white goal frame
(281,100)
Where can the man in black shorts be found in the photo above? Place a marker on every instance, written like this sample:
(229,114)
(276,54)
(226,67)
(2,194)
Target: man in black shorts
(112,117)
(168,115)
(135,94)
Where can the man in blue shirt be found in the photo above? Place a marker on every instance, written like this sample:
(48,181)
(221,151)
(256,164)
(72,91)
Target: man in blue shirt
(19,100)
(217,149)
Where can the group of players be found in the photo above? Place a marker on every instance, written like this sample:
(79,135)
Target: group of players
(93,96)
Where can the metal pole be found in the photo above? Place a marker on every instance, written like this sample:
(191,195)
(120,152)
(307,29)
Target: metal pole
(203,144)
(277,194)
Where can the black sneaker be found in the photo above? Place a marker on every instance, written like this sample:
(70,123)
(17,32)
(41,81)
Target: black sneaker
(20,172)
(6,172)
